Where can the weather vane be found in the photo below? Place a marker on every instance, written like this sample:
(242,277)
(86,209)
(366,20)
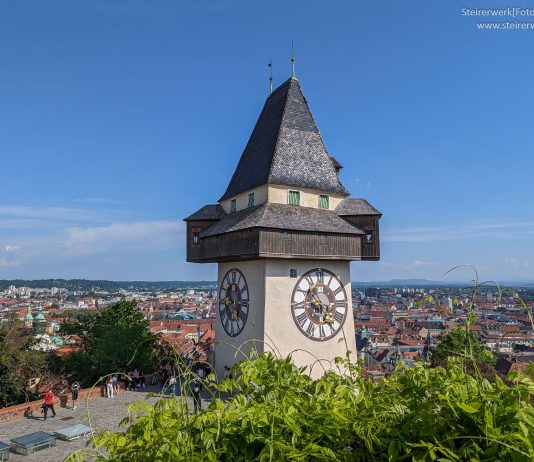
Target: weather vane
(271,77)
(292,60)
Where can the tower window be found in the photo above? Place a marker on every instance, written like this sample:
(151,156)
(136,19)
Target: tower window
(322,238)
(292,273)
(369,237)
(324,202)
(251,199)
(196,238)
(233,205)
(293,197)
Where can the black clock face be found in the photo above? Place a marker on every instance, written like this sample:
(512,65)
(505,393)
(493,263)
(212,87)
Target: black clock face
(319,304)
(233,302)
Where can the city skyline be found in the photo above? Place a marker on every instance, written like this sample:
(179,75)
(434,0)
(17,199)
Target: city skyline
(109,139)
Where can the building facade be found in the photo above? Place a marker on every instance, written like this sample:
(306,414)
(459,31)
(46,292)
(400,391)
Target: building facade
(283,234)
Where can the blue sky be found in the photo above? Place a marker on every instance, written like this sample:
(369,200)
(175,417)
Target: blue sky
(119,118)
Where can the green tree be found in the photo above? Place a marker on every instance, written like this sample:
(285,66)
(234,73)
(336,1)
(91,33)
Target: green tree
(465,344)
(18,364)
(114,339)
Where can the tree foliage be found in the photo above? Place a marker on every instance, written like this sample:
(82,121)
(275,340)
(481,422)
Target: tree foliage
(18,364)
(278,413)
(111,340)
(463,343)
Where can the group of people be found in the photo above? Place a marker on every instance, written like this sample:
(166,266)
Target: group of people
(112,386)
(49,398)
(170,378)
(135,379)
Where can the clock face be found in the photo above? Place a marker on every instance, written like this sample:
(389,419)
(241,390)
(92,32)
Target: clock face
(319,304)
(233,302)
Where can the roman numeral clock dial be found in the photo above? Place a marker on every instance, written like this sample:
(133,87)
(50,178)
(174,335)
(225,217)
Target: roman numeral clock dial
(319,304)
(233,302)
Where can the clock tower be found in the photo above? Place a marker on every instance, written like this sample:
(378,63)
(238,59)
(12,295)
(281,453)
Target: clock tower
(283,235)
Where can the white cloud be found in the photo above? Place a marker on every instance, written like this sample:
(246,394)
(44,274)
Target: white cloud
(136,235)
(11,256)
(461,231)
(12,249)
(99,200)
(517,263)
(25,217)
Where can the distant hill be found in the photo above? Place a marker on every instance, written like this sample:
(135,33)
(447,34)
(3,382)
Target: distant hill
(430,283)
(407,283)
(88,285)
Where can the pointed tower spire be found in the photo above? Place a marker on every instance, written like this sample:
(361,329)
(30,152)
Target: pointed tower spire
(285,148)
(292,61)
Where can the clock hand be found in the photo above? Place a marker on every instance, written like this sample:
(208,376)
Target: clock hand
(234,311)
(318,300)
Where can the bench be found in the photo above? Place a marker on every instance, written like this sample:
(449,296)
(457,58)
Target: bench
(28,444)
(73,432)
(4,451)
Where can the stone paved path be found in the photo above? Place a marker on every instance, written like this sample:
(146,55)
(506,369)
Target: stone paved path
(105,414)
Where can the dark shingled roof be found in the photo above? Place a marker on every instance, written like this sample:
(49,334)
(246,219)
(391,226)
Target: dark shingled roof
(208,212)
(285,148)
(356,207)
(281,216)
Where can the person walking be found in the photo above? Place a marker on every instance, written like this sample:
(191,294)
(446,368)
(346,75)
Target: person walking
(142,379)
(115,384)
(136,379)
(75,389)
(164,378)
(48,403)
(130,383)
(196,389)
(109,387)
(172,385)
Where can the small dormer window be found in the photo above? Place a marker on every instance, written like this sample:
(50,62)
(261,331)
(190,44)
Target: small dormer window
(293,197)
(324,202)
(251,199)
(233,205)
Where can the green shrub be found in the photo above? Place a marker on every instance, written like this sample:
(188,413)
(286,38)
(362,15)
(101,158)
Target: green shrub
(276,412)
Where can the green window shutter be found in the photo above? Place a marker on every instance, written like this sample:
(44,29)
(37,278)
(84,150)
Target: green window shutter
(233,206)
(293,198)
(323,202)
(251,199)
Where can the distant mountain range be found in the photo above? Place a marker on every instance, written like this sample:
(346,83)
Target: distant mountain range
(430,283)
(89,285)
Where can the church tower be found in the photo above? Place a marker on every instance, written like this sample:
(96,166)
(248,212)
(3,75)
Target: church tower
(283,235)
(28,318)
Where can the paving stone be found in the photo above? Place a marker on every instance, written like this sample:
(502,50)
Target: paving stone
(98,413)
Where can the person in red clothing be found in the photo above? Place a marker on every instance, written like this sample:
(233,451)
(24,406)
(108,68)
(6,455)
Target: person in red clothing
(49,403)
